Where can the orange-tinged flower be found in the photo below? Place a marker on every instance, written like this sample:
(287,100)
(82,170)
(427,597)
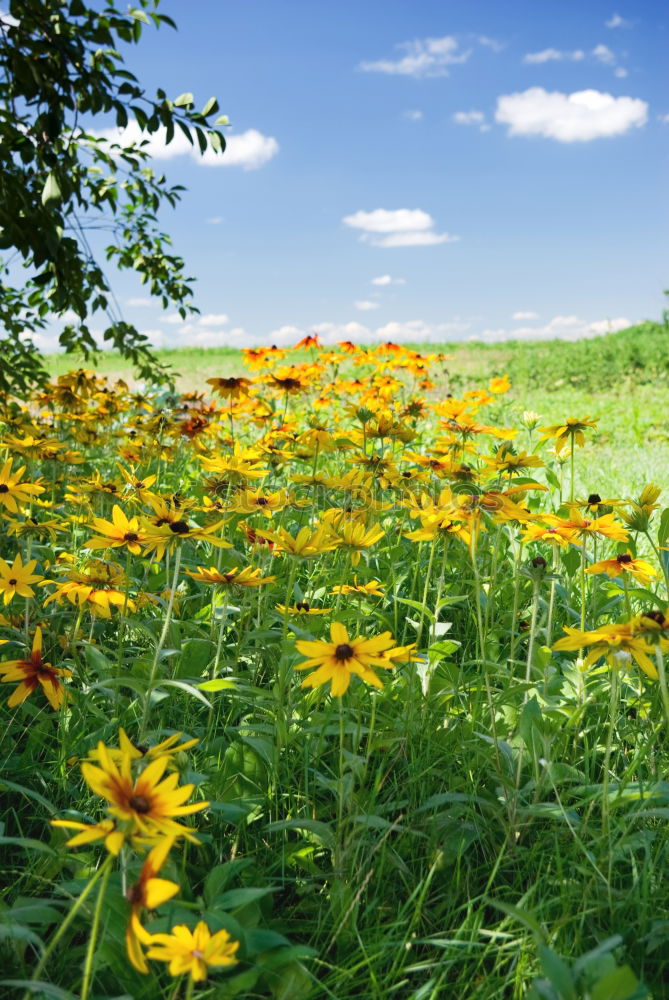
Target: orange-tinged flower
(231,388)
(339,659)
(499,385)
(147,803)
(372,589)
(606,525)
(17,578)
(168,536)
(167,748)
(34,673)
(193,952)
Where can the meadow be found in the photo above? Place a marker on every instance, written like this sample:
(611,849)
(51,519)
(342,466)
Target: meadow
(339,672)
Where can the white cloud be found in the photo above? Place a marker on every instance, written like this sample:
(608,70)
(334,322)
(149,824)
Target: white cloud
(558,328)
(248,150)
(413,116)
(620,72)
(215,220)
(366,305)
(138,303)
(577,117)
(664,119)
(423,57)
(419,239)
(553,55)
(490,43)
(213,319)
(386,279)
(381,220)
(156,338)
(471,118)
(525,315)
(173,318)
(604,55)
(402,227)
(616,21)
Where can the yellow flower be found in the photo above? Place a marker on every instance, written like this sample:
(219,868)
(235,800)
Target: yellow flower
(571,430)
(168,536)
(167,748)
(354,537)
(12,491)
(16,579)
(34,673)
(305,545)
(606,525)
(148,893)
(371,589)
(339,659)
(302,608)
(100,586)
(90,832)
(146,803)
(617,643)
(193,951)
(118,533)
(499,385)
(247,577)
(625,563)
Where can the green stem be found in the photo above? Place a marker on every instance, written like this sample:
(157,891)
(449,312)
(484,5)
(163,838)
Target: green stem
(662,679)
(48,951)
(92,940)
(161,643)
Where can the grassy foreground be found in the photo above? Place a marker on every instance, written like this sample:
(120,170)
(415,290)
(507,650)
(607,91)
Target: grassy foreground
(336,685)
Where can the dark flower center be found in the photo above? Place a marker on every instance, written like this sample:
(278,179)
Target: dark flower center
(134,895)
(594,498)
(261,501)
(12,582)
(302,606)
(654,615)
(625,559)
(179,528)
(343,652)
(130,536)
(539,562)
(4,488)
(140,804)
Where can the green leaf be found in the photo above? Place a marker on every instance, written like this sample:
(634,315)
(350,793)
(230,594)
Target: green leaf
(235,898)
(51,193)
(184,100)
(39,987)
(218,684)
(322,831)
(210,108)
(621,984)
(558,973)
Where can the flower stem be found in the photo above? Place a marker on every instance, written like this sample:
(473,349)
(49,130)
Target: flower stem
(92,940)
(161,643)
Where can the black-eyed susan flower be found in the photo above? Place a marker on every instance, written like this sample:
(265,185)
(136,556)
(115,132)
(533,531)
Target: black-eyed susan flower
(231,388)
(617,644)
(307,544)
(119,533)
(147,893)
(355,537)
(248,576)
(606,526)
(301,609)
(167,537)
(572,432)
(17,578)
(193,952)
(13,491)
(33,674)
(90,833)
(167,748)
(624,563)
(147,804)
(371,589)
(338,660)
(98,586)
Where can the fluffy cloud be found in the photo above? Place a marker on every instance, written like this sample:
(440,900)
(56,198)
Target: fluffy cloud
(525,315)
(138,303)
(248,150)
(413,116)
(423,57)
(471,118)
(664,119)
(553,55)
(212,319)
(386,279)
(402,227)
(616,21)
(577,117)
(558,328)
(366,305)
(604,55)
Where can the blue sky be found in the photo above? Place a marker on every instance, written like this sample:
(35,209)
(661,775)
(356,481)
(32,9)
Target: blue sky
(498,169)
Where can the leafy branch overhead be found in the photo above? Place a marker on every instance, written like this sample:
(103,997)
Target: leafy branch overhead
(61,69)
